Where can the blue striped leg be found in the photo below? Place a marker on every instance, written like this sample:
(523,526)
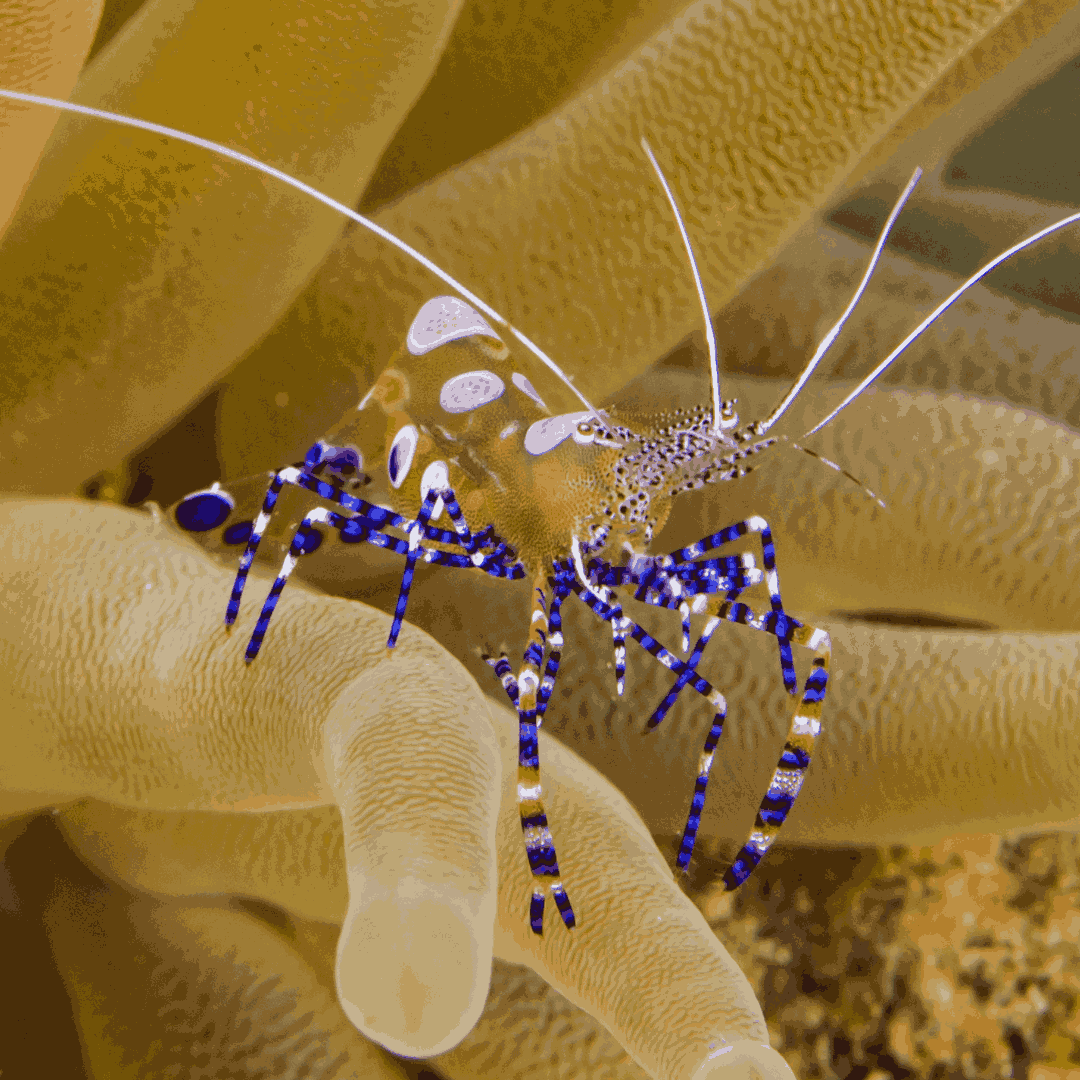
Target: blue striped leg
(619,629)
(803,730)
(377,517)
(415,530)
(539,844)
(798,747)
(687,675)
(651,578)
(705,761)
(791,769)
(589,578)
(618,632)
(505,674)
(772,579)
(564,574)
(351,530)
(305,540)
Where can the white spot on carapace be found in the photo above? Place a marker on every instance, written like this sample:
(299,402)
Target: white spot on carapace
(402,449)
(446,318)
(463,393)
(509,429)
(436,476)
(527,388)
(546,434)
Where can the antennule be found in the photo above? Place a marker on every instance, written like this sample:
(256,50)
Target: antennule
(314,193)
(830,337)
(867,490)
(939,310)
(710,337)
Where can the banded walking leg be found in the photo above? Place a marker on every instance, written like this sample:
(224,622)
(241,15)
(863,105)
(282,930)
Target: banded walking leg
(433,495)
(791,769)
(560,591)
(539,844)
(351,530)
(803,730)
(375,517)
(759,526)
(686,674)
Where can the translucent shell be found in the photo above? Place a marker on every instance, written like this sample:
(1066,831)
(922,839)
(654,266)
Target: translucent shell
(527,388)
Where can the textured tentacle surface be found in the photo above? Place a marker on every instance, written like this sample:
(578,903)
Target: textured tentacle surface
(112,630)
(140,243)
(428,838)
(44,48)
(760,110)
(896,689)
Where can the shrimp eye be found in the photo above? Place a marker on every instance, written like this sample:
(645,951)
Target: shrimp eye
(584,432)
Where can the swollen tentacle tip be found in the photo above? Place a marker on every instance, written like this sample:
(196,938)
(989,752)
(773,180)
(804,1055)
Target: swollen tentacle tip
(414,957)
(747,1059)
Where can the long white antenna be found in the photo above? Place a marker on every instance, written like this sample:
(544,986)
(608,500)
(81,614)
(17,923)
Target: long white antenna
(830,337)
(944,306)
(307,189)
(710,337)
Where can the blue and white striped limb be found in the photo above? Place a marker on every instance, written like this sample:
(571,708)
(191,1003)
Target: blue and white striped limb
(798,748)
(377,517)
(539,843)
(427,508)
(804,728)
(353,530)
(364,523)
(791,769)
(759,526)
(561,589)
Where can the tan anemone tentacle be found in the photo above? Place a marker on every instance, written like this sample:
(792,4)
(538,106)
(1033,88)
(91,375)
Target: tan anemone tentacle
(43,46)
(925,733)
(756,113)
(160,988)
(979,532)
(113,413)
(122,686)
(526,1028)
(121,274)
